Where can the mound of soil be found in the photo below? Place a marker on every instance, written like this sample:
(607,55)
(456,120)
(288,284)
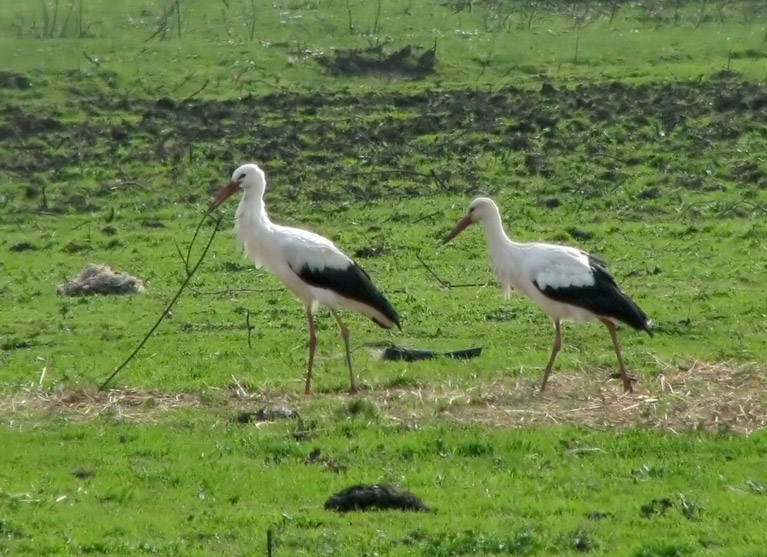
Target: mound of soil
(365,497)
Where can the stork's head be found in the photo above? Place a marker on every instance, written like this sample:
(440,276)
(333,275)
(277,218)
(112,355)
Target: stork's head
(480,209)
(248,177)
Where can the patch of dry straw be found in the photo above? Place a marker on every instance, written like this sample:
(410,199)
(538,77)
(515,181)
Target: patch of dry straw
(695,395)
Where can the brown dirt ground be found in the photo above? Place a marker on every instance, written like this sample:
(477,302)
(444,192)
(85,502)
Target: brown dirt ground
(600,128)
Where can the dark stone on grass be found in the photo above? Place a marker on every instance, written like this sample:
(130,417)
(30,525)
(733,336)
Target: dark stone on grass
(649,193)
(371,251)
(656,507)
(75,247)
(15,344)
(266,414)
(22,246)
(597,515)
(11,80)
(364,497)
(315,457)
(152,224)
(234,267)
(82,473)
(582,543)
(548,89)
(165,103)
(579,234)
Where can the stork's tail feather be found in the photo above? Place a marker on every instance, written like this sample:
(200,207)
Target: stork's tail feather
(631,314)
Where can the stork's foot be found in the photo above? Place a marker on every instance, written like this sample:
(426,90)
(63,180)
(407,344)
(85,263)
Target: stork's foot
(628,381)
(353,390)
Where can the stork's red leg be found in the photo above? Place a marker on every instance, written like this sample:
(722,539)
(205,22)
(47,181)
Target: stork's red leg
(312,345)
(345,335)
(624,376)
(554,352)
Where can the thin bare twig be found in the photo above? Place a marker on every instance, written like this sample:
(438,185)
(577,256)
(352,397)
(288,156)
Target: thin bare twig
(181,255)
(430,215)
(235,291)
(443,283)
(249,327)
(196,92)
(447,284)
(166,311)
(91,59)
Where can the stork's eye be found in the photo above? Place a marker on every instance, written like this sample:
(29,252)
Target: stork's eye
(241,177)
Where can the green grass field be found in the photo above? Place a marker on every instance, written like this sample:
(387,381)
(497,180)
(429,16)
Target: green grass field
(632,130)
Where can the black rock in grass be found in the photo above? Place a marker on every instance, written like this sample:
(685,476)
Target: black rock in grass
(22,246)
(266,414)
(365,497)
(656,507)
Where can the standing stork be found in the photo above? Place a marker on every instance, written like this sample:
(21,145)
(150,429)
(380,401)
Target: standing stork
(567,283)
(310,266)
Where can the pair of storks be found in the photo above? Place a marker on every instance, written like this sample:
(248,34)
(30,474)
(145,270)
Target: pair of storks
(567,283)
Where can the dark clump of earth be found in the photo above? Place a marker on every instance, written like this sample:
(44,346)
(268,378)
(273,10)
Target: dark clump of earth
(364,497)
(82,473)
(585,139)
(371,251)
(266,414)
(22,246)
(656,507)
(12,80)
(315,457)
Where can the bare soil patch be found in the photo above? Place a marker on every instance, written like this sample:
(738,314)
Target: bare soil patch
(719,397)
(602,128)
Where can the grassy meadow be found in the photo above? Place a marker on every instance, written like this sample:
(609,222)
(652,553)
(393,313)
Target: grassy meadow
(634,130)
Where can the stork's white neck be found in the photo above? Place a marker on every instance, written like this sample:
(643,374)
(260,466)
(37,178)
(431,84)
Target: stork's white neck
(251,209)
(496,236)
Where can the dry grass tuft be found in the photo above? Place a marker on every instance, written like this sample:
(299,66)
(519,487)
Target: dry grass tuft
(100,279)
(696,395)
(127,404)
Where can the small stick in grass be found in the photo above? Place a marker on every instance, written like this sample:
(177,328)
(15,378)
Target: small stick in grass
(444,283)
(249,327)
(166,311)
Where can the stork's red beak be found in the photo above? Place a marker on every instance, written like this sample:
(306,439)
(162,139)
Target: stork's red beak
(465,221)
(223,195)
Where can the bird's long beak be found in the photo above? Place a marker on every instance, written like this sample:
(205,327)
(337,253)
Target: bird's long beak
(225,193)
(465,221)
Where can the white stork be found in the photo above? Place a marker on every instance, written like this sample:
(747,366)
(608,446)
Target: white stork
(311,266)
(567,283)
